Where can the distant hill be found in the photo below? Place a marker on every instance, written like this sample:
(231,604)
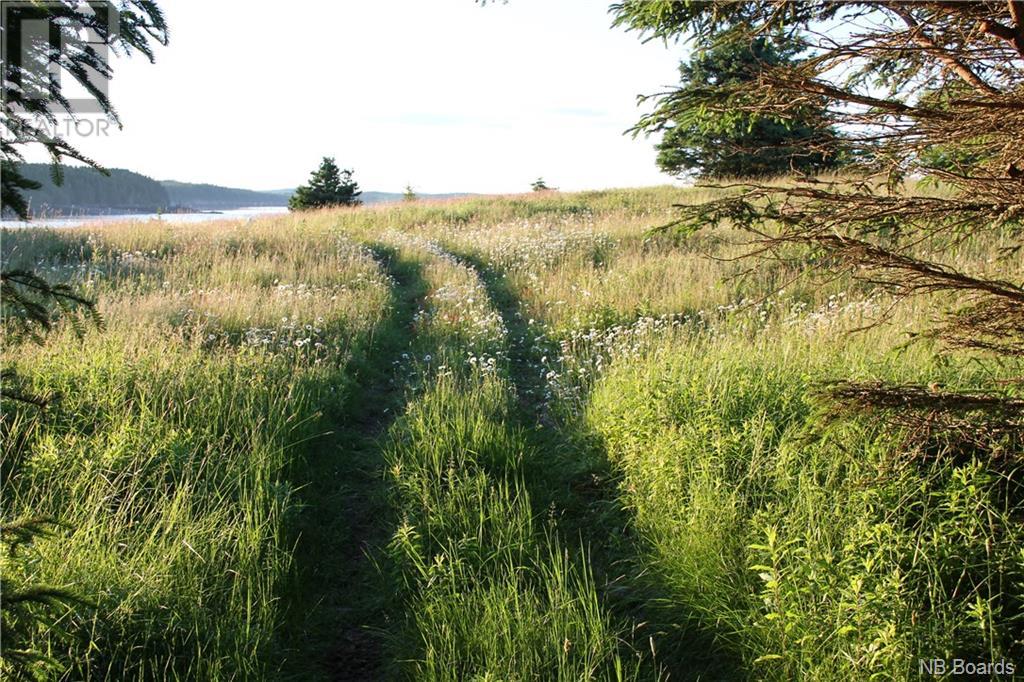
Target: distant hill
(88,192)
(214,197)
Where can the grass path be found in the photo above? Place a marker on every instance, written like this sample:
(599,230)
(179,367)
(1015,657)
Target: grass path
(575,477)
(524,357)
(339,614)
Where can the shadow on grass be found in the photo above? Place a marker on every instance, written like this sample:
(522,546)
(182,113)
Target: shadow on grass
(338,600)
(575,483)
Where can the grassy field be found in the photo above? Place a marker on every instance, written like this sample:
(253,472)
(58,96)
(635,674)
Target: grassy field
(511,438)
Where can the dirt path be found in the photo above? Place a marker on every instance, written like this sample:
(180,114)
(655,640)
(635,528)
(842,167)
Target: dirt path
(339,615)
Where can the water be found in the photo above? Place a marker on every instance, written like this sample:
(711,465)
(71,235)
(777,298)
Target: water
(169,218)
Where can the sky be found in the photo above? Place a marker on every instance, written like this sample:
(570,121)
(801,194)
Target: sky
(445,95)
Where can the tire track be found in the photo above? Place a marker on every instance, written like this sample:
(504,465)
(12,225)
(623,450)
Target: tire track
(340,606)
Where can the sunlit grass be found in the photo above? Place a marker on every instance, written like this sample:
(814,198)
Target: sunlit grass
(166,451)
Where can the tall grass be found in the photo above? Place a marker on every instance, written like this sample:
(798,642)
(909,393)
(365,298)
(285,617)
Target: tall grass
(804,545)
(164,470)
(165,452)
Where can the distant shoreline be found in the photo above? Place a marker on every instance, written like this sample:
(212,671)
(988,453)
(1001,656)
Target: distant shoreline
(76,212)
(171,218)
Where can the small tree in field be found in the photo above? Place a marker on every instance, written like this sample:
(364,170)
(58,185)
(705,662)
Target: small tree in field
(328,186)
(539,185)
(410,194)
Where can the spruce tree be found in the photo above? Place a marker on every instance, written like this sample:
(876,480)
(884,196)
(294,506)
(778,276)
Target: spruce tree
(328,186)
(410,194)
(713,144)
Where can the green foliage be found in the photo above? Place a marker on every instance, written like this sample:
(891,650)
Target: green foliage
(172,512)
(13,186)
(29,305)
(165,457)
(328,186)
(569,489)
(409,194)
(961,157)
(489,589)
(490,595)
(28,607)
(539,185)
(736,144)
(922,552)
(672,20)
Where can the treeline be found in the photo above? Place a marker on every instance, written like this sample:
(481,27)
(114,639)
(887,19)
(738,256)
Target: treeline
(86,190)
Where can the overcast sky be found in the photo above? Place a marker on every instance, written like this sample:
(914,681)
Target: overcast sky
(443,94)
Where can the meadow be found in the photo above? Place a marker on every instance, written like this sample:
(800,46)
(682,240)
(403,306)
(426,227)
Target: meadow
(506,438)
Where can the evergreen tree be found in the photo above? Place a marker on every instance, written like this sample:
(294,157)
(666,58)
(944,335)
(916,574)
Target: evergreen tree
(328,186)
(410,194)
(13,185)
(539,185)
(737,144)
(28,303)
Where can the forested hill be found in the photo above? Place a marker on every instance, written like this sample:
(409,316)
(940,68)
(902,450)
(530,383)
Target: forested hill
(86,190)
(214,197)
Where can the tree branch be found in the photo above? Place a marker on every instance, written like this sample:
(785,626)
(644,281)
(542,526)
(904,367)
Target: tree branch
(922,39)
(1013,35)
